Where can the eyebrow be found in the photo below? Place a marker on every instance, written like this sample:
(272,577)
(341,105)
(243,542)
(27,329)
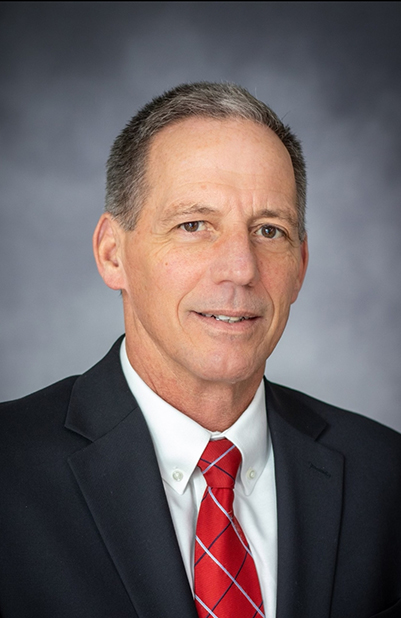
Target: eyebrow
(277,214)
(180,210)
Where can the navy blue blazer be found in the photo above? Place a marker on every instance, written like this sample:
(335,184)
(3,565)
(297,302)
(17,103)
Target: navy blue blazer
(85,528)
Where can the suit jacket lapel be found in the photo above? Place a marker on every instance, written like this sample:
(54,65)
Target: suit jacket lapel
(309,480)
(119,478)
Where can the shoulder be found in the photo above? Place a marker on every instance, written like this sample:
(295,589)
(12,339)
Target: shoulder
(49,405)
(27,421)
(41,422)
(358,436)
(333,415)
(55,394)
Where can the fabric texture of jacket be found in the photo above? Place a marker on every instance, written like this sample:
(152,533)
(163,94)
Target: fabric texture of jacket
(86,532)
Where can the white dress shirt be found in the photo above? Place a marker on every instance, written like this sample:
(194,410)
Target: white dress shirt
(179,442)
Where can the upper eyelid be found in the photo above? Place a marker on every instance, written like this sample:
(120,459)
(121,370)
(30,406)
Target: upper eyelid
(277,227)
(252,229)
(191,221)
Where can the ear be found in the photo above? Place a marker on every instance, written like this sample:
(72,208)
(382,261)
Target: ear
(107,251)
(303,264)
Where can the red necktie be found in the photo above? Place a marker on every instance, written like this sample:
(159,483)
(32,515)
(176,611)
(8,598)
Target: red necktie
(225,579)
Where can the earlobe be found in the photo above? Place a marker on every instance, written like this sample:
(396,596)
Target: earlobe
(106,248)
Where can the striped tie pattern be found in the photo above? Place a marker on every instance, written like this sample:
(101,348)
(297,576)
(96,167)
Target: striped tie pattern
(225,579)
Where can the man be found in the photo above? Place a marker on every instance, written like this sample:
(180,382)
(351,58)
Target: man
(107,500)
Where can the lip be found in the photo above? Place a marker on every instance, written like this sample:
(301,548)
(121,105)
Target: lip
(230,314)
(240,326)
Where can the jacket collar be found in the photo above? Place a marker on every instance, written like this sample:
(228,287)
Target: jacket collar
(119,478)
(101,398)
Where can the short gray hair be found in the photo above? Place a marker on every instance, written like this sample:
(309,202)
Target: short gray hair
(126,167)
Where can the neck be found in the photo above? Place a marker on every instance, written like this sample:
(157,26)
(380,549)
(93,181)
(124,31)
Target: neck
(214,405)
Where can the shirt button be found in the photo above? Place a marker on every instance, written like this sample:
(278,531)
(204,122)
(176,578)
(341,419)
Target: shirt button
(251,474)
(178,475)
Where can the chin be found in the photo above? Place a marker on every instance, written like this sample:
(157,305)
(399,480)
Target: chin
(229,372)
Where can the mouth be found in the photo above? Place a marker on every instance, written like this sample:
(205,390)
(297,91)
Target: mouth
(228,319)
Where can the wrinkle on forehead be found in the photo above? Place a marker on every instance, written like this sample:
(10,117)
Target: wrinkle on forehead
(199,164)
(191,138)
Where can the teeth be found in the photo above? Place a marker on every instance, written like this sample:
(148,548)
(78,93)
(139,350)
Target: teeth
(225,318)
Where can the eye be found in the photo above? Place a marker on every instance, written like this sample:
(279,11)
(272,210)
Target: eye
(192,226)
(270,231)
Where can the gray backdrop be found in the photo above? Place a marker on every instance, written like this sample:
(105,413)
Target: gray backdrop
(72,74)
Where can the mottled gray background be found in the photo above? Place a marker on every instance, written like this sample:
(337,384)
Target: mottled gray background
(72,74)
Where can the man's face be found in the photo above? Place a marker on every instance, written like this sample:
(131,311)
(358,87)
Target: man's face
(214,263)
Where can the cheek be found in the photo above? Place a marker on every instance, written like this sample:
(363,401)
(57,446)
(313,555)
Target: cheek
(178,274)
(280,277)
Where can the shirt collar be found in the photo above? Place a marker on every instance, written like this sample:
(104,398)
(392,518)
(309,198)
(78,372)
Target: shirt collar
(179,441)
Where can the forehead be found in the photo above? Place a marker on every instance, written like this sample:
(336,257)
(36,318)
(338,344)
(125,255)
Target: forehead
(235,154)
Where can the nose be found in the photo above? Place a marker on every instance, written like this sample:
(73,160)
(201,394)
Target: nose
(235,260)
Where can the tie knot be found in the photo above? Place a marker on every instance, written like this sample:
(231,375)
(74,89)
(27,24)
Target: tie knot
(219,463)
